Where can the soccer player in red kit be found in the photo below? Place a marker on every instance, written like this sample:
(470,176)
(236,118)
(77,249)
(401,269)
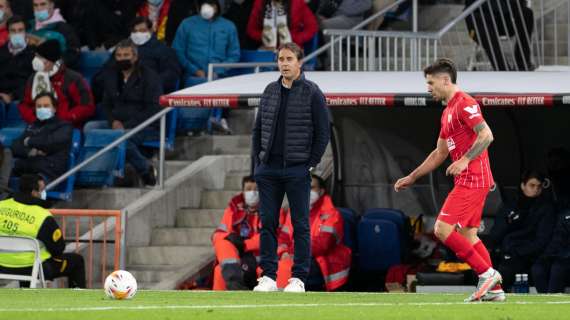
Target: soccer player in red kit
(465,135)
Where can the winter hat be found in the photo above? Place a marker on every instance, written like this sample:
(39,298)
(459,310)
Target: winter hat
(49,50)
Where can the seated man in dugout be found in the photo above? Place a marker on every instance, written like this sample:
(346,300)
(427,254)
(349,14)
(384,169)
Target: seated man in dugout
(236,241)
(25,214)
(331,259)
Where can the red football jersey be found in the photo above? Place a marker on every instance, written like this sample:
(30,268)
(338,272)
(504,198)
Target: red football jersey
(459,118)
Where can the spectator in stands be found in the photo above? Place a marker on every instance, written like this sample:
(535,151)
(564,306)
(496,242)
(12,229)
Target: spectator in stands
(157,12)
(49,24)
(5,14)
(512,18)
(238,12)
(203,39)
(15,62)
(130,96)
(38,223)
(331,259)
(551,271)
(522,228)
(276,22)
(103,23)
(179,10)
(155,54)
(236,241)
(51,74)
(342,14)
(44,146)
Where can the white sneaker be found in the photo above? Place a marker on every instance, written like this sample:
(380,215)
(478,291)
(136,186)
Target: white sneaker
(265,284)
(295,285)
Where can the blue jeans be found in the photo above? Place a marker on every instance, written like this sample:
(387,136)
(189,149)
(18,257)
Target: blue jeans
(134,155)
(273,183)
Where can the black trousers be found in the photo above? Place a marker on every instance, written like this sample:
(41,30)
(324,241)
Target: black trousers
(551,275)
(273,182)
(510,267)
(70,265)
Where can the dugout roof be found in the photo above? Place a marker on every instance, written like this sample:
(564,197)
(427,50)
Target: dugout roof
(400,89)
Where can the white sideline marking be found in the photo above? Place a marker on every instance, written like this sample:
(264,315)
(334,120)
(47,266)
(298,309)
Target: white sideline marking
(255,306)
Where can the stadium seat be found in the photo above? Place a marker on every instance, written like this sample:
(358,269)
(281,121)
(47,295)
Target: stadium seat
(171,122)
(12,117)
(8,135)
(193,119)
(350,219)
(378,245)
(64,190)
(399,219)
(101,172)
(29,245)
(92,61)
(253,56)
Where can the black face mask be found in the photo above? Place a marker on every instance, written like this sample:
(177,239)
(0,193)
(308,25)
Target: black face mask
(124,65)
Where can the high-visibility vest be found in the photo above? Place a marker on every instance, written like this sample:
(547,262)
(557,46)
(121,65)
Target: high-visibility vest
(18,219)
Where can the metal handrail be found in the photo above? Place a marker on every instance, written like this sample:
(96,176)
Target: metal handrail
(313,54)
(160,115)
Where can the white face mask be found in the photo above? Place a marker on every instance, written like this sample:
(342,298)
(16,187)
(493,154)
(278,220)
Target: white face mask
(251,198)
(38,65)
(140,38)
(314,197)
(207,11)
(43,195)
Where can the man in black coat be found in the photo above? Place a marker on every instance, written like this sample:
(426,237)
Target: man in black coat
(43,148)
(290,136)
(15,61)
(130,96)
(522,229)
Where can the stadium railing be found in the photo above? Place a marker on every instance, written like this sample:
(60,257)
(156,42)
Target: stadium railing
(98,235)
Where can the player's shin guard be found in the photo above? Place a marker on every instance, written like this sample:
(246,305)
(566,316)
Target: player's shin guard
(465,251)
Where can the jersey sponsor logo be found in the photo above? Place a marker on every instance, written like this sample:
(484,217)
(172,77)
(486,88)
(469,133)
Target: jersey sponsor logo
(473,111)
(450,144)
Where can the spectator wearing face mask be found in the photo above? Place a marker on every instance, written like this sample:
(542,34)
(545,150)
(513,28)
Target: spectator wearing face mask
(203,39)
(130,96)
(15,61)
(75,102)
(49,24)
(157,12)
(331,259)
(5,14)
(43,148)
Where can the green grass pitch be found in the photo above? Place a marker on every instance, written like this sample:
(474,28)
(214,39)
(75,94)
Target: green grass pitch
(16,304)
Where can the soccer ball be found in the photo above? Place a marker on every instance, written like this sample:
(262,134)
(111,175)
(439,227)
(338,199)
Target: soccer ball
(120,285)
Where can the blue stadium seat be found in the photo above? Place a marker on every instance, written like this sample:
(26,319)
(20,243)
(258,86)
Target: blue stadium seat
(378,245)
(64,190)
(8,135)
(101,172)
(394,215)
(171,123)
(193,119)
(350,219)
(90,62)
(253,56)
(12,117)
(309,47)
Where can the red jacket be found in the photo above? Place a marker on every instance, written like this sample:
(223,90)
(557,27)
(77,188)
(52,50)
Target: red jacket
(327,247)
(302,22)
(75,101)
(4,35)
(162,18)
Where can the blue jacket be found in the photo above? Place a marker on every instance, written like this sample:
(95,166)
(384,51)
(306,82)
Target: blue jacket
(199,42)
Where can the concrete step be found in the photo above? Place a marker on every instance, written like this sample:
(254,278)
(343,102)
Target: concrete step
(234,179)
(106,198)
(167,255)
(173,166)
(217,199)
(143,274)
(198,217)
(192,148)
(182,236)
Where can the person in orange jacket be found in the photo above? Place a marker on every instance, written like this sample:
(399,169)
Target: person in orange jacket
(236,240)
(331,259)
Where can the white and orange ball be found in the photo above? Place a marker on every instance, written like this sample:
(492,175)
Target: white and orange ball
(120,285)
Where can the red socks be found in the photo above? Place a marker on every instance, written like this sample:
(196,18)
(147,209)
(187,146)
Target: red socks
(466,252)
(482,251)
